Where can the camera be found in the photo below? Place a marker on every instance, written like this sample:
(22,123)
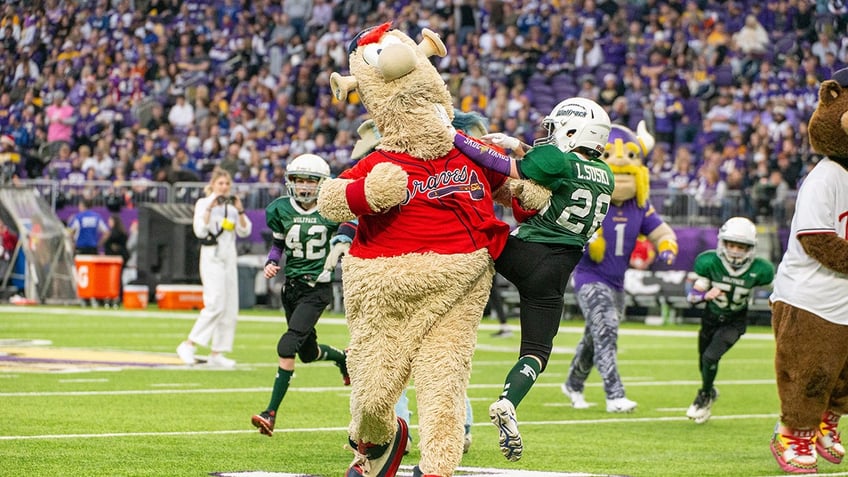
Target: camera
(224,200)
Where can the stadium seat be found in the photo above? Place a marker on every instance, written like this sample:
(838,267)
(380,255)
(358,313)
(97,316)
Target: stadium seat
(723,75)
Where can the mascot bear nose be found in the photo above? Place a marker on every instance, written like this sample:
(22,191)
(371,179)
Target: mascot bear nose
(396,61)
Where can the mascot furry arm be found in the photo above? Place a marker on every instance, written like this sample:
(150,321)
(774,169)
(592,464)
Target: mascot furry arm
(525,197)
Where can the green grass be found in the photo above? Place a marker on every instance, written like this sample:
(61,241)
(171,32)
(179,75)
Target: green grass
(176,421)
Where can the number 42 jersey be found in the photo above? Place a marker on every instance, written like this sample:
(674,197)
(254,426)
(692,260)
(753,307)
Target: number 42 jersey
(306,234)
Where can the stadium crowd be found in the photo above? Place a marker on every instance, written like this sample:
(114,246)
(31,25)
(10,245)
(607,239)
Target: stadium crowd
(165,90)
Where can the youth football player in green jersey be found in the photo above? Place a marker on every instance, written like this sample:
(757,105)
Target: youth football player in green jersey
(542,252)
(312,246)
(581,191)
(726,277)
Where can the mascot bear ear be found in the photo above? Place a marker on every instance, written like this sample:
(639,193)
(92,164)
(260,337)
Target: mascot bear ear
(342,85)
(431,44)
(830,90)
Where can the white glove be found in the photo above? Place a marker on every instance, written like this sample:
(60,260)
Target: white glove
(336,252)
(324,277)
(502,140)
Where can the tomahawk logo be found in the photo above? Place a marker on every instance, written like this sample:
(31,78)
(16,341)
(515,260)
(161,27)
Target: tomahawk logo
(457,181)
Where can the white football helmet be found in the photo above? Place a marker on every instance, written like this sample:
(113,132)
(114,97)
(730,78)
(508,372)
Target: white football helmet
(307,166)
(738,230)
(577,122)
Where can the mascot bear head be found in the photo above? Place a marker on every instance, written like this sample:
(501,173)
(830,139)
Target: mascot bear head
(828,127)
(404,93)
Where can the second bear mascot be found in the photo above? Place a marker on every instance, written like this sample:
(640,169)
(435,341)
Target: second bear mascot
(810,303)
(419,271)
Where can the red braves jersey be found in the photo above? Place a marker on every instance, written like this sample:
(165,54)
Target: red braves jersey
(448,209)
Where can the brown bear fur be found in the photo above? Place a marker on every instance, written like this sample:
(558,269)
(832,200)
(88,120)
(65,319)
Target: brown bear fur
(810,351)
(822,382)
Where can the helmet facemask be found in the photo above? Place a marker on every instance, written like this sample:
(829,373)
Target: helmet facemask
(303,187)
(303,168)
(737,240)
(549,127)
(737,254)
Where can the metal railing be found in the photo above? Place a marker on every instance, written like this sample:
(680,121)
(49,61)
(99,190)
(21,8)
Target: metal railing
(684,209)
(677,208)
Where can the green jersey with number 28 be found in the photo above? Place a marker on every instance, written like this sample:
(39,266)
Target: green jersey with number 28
(306,233)
(737,286)
(580,196)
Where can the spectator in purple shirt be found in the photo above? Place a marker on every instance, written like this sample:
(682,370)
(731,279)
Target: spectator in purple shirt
(615,50)
(140,171)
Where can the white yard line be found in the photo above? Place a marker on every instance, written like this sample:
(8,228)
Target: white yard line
(569,422)
(343,389)
(275,317)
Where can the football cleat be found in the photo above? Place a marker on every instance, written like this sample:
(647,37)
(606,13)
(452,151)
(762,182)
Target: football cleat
(701,408)
(828,441)
(371,460)
(265,422)
(502,414)
(794,450)
(578,401)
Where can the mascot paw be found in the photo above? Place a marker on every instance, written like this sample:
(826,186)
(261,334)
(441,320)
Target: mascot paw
(332,201)
(385,186)
(667,257)
(597,246)
(529,194)
(597,249)
(667,251)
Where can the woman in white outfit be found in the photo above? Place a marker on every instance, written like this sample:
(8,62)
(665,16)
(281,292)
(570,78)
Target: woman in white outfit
(218,219)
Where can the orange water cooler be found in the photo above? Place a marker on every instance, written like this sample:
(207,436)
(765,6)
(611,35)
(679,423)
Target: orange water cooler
(136,296)
(98,276)
(179,297)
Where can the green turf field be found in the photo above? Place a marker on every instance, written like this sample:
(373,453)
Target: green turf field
(101,393)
